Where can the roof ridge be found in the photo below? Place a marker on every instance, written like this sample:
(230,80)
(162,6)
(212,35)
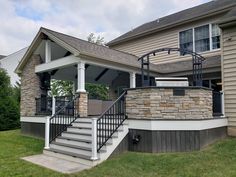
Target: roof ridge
(107,47)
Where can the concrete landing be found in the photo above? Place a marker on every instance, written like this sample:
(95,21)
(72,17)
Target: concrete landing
(56,164)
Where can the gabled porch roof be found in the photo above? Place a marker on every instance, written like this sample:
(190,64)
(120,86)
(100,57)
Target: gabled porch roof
(84,49)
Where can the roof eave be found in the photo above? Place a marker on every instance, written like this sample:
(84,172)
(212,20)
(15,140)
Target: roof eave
(228,22)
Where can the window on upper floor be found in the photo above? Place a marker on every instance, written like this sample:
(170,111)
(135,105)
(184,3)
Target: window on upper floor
(200,39)
(215,36)
(186,39)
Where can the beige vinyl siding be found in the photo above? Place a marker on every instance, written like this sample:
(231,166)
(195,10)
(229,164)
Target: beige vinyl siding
(229,73)
(168,38)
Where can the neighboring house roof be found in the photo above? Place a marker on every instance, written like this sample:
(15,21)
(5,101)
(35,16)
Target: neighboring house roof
(182,17)
(84,48)
(2,56)
(10,62)
(187,65)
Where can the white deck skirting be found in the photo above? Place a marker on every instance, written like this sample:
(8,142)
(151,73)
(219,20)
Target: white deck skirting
(158,124)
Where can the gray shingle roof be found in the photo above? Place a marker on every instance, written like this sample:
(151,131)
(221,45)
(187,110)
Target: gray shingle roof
(181,17)
(182,66)
(98,51)
(2,56)
(230,16)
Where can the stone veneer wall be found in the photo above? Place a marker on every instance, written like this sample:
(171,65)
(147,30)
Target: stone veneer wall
(82,104)
(159,103)
(30,87)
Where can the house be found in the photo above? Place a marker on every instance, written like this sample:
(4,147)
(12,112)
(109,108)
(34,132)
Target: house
(10,62)
(207,29)
(196,43)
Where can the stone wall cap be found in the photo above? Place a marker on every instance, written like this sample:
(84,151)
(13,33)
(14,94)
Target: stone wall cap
(170,87)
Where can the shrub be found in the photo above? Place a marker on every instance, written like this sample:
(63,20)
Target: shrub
(9,106)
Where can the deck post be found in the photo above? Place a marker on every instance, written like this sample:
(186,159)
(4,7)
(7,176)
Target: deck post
(132,79)
(53,105)
(222,103)
(47,130)
(94,139)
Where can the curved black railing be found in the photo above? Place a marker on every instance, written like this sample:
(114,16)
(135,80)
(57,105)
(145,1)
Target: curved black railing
(63,118)
(110,121)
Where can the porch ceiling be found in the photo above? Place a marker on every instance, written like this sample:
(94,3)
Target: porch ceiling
(93,74)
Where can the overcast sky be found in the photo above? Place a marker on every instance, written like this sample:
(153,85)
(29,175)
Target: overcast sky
(21,19)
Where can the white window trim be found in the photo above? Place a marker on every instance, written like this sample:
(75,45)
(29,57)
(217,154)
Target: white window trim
(210,37)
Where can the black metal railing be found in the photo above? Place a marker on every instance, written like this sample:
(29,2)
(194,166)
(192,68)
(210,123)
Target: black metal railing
(110,121)
(63,118)
(217,103)
(44,104)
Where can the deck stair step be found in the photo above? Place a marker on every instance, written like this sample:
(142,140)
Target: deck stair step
(75,143)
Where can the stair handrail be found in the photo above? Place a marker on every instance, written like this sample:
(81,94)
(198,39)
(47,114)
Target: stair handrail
(57,123)
(110,120)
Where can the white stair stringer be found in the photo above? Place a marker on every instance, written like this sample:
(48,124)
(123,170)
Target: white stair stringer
(76,145)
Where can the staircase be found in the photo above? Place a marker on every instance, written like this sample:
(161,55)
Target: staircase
(75,143)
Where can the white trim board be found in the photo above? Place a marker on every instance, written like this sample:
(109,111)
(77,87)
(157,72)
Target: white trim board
(177,124)
(158,124)
(33,119)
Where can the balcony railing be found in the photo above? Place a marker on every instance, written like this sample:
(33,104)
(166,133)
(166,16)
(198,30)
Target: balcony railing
(44,104)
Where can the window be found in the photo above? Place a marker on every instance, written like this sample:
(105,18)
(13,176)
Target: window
(215,36)
(202,38)
(186,39)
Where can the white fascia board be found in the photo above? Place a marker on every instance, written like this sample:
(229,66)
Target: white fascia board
(58,63)
(177,124)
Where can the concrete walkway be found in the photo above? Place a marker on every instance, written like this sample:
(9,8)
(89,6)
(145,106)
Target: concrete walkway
(56,164)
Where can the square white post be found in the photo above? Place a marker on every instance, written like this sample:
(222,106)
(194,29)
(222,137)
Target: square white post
(81,77)
(47,132)
(94,139)
(132,79)
(48,53)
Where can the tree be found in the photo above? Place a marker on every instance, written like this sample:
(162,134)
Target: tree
(97,40)
(97,91)
(9,106)
(61,88)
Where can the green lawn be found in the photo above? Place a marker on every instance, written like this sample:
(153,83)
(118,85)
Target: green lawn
(219,160)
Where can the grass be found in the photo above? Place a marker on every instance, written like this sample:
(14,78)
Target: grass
(218,160)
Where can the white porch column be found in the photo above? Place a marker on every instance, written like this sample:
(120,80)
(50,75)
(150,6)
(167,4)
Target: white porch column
(81,77)
(53,105)
(48,53)
(222,103)
(132,79)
